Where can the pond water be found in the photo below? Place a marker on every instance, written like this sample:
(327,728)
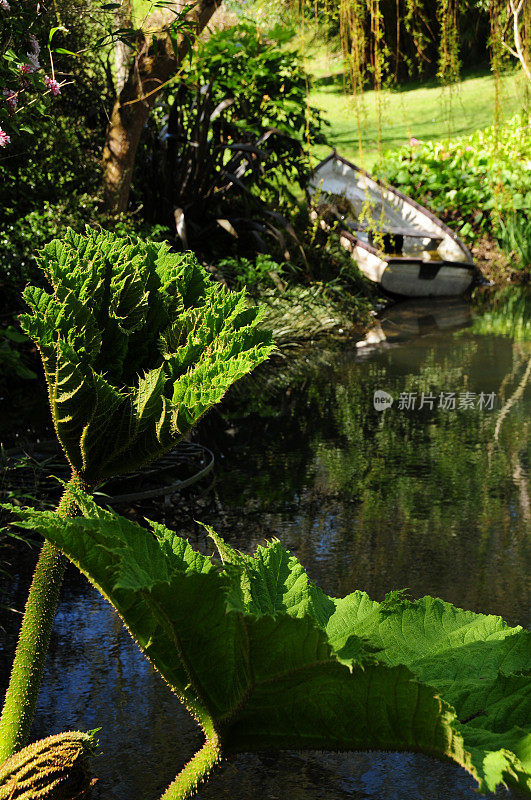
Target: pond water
(418,494)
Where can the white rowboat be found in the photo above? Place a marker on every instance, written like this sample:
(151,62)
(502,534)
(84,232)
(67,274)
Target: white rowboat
(395,241)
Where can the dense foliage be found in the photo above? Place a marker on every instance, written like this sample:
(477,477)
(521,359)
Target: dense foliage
(298,669)
(514,237)
(49,174)
(319,290)
(475,182)
(256,275)
(26,89)
(227,150)
(264,76)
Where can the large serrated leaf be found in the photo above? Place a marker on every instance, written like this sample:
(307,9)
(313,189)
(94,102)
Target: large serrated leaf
(264,658)
(120,309)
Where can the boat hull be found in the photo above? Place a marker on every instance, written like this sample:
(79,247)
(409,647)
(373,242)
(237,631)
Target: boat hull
(411,277)
(414,280)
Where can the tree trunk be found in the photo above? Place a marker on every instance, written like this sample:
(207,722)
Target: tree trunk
(154,64)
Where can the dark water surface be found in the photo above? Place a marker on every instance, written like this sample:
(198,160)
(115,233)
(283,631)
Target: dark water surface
(429,498)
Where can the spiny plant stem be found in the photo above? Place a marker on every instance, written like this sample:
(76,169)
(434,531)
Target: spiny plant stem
(197,770)
(34,638)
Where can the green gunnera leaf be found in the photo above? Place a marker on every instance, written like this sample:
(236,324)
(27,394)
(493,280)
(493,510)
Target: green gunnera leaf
(264,659)
(137,344)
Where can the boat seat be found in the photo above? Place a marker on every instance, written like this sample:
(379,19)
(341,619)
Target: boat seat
(395,231)
(414,234)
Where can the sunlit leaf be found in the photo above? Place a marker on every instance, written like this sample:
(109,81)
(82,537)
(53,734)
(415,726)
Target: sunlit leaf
(265,659)
(124,385)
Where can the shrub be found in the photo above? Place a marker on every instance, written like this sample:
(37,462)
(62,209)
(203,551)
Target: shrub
(50,172)
(225,153)
(24,234)
(263,272)
(470,182)
(265,79)
(321,291)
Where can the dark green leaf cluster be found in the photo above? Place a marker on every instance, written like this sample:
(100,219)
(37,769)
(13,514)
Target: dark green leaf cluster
(228,150)
(137,344)
(264,659)
(265,77)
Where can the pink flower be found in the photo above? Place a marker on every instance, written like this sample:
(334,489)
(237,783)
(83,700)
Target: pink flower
(11,99)
(4,138)
(24,69)
(468,148)
(52,85)
(4,5)
(413,142)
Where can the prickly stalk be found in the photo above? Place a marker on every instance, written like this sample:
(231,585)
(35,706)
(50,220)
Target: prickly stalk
(34,638)
(195,771)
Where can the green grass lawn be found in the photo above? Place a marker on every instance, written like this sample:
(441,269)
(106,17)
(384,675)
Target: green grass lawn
(424,111)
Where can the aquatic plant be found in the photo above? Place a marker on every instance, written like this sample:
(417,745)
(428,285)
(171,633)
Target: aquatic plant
(263,659)
(137,345)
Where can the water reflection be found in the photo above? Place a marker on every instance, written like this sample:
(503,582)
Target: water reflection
(436,500)
(416,318)
(429,498)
